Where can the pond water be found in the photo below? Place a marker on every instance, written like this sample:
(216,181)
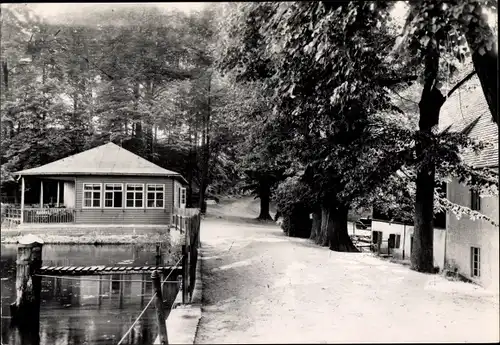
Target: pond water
(90,309)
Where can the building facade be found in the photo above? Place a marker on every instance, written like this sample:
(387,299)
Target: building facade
(103,185)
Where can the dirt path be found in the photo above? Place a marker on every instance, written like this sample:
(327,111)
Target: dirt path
(260,286)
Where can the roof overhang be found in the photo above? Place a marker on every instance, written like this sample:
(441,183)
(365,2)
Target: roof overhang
(66,174)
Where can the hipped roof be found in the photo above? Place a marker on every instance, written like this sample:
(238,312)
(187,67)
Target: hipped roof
(107,159)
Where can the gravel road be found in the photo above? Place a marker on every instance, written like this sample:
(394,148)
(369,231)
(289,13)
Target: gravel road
(263,287)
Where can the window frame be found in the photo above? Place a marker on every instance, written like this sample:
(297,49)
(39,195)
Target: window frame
(182,191)
(92,198)
(475,200)
(475,252)
(143,199)
(104,195)
(155,192)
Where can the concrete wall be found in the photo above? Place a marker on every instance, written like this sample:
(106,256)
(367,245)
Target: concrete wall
(465,233)
(406,232)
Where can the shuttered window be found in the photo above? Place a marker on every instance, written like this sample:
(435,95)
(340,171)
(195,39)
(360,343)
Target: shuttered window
(475,200)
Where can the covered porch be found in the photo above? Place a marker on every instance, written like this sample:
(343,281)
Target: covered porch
(44,200)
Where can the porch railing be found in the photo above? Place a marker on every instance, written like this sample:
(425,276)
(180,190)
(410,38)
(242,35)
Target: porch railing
(49,215)
(12,215)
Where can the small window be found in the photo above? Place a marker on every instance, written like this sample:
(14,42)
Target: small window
(155,193)
(475,262)
(475,200)
(113,195)
(91,195)
(134,195)
(183,197)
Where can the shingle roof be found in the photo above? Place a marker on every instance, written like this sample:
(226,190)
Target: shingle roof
(467,110)
(108,159)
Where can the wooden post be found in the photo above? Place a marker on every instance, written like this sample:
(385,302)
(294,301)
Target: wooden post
(22,200)
(158,254)
(160,313)
(58,192)
(120,290)
(185,270)
(41,193)
(404,237)
(25,311)
(99,298)
(198,229)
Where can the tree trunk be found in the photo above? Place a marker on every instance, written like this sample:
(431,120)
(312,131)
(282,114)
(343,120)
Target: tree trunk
(485,65)
(189,191)
(422,259)
(5,72)
(316,225)
(264,196)
(322,238)
(338,237)
(206,150)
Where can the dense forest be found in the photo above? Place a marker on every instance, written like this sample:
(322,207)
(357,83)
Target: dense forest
(297,102)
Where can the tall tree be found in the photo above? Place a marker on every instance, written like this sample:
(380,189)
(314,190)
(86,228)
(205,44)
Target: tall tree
(432,36)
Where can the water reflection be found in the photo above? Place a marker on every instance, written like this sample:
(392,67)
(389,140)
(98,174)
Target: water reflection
(90,309)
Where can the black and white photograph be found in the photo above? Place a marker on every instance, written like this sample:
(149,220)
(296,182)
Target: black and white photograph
(249,172)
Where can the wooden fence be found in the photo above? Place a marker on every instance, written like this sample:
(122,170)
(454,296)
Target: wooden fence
(187,220)
(11,215)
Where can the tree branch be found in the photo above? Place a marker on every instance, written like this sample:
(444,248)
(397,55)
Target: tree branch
(460,83)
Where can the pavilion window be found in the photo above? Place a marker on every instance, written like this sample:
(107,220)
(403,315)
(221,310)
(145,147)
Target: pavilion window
(134,195)
(155,196)
(92,195)
(113,195)
(183,197)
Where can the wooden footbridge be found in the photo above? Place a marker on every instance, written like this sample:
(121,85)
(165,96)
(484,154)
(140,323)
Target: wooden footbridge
(103,270)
